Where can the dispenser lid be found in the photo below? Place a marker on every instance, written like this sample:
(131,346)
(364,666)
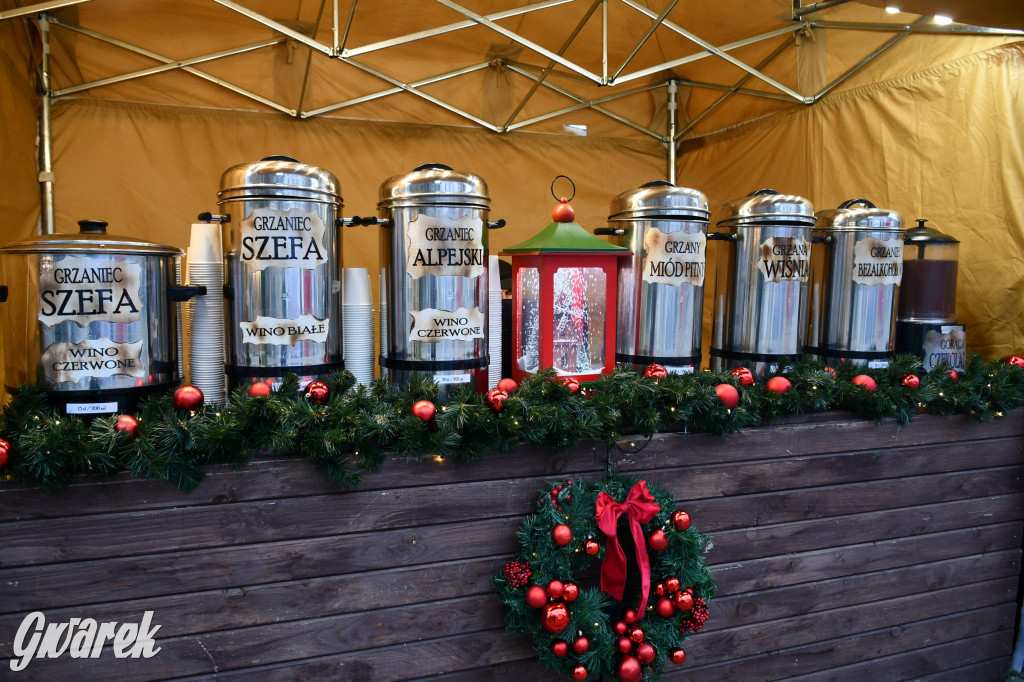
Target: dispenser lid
(921,235)
(660,200)
(91,238)
(850,217)
(434,183)
(279,177)
(767,206)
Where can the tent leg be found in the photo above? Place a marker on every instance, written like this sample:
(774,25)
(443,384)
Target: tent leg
(673,106)
(46,223)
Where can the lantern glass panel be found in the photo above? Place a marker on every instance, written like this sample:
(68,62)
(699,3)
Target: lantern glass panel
(529,329)
(579,319)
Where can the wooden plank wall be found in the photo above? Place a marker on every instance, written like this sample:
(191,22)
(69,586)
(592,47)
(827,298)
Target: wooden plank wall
(842,549)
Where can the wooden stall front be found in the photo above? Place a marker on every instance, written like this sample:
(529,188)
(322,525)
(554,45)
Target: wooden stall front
(842,550)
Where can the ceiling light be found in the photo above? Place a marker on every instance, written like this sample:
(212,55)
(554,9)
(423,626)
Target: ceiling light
(892,10)
(942,20)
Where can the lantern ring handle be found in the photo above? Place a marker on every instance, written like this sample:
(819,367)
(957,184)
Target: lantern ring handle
(570,182)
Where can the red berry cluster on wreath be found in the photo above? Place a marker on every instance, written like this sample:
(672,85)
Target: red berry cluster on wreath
(518,573)
(698,616)
(557,494)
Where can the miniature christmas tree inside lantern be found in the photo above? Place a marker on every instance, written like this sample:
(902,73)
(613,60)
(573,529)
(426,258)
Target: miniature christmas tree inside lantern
(564,300)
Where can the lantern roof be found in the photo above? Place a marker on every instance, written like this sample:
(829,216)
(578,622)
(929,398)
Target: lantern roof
(566,238)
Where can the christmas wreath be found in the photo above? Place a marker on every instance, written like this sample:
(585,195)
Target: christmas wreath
(654,583)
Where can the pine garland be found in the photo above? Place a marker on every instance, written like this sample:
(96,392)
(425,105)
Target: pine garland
(359,424)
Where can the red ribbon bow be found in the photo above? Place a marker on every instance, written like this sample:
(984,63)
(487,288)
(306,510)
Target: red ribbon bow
(639,507)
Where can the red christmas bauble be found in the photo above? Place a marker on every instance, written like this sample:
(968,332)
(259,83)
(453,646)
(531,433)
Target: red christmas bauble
(5,449)
(579,672)
(592,547)
(728,395)
(630,616)
(563,212)
(581,645)
(672,584)
(664,608)
(834,375)
(630,670)
(188,397)
(570,592)
(318,392)
(778,385)
(536,596)
(128,424)
(682,601)
(620,627)
(260,390)
(555,589)
(678,656)
(910,381)
(555,617)
(864,381)
(496,398)
(1015,360)
(424,409)
(624,645)
(508,385)
(954,376)
(559,649)
(572,383)
(680,519)
(655,371)
(744,376)
(636,633)
(561,534)
(659,589)
(645,652)
(657,540)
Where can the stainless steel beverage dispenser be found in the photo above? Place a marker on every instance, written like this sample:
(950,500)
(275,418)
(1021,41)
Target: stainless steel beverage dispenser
(661,287)
(433,248)
(857,267)
(762,281)
(926,323)
(283,262)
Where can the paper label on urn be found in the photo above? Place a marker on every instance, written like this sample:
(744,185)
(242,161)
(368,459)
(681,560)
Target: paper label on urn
(877,262)
(85,290)
(72,362)
(948,345)
(432,325)
(674,258)
(285,332)
(785,259)
(445,246)
(283,239)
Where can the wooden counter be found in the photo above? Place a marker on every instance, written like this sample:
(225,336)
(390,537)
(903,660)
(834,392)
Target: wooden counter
(842,549)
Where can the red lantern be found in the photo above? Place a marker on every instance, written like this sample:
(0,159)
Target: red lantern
(564,288)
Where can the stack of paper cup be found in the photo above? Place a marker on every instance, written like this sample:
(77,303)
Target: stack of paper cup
(494,322)
(357,323)
(206,351)
(383,314)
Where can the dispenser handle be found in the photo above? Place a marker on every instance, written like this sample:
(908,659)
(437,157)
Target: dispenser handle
(822,239)
(612,231)
(208,217)
(854,202)
(180,292)
(494,226)
(760,192)
(279,157)
(92,226)
(722,236)
(3,293)
(658,183)
(356,220)
(431,166)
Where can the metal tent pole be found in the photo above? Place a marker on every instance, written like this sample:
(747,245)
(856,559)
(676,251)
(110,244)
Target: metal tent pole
(45,138)
(673,107)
